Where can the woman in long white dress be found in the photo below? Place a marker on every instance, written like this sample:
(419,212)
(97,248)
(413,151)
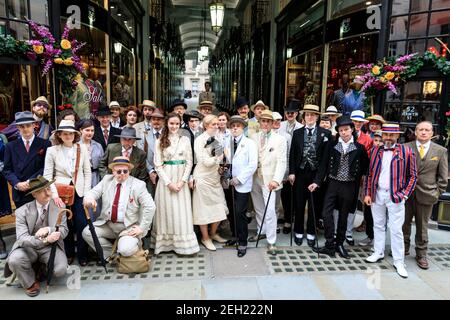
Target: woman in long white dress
(173,228)
(209,206)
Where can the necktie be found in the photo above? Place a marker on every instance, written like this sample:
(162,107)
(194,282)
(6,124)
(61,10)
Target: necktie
(43,216)
(115,203)
(106,135)
(145,141)
(310,130)
(126,154)
(27,145)
(422,151)
(157,135)
(235,145)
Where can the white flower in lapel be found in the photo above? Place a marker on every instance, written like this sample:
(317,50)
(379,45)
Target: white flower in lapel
(325,139)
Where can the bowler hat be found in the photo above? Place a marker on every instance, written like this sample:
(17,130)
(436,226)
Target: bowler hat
(178,102)
(24,117)
(103,111)
(344,121)
(239,119)
(293,106)
(128,133)
(38,183)
(192,114)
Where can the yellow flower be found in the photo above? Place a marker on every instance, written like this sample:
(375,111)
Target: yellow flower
(65,44)
(58,61)
(382,79)
(68,62)
(390,75)
(38,49)
(376,70)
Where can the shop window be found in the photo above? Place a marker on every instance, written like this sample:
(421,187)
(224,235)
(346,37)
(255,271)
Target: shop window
(418,25)
(419,5)
(440,4)
(412,90)
(39,11)
(18,9)
(399,26)
(2,8)
(431,90)
(435,45)
(400,7)
(439,22)
(308,20)
(397,48)
(344,7)
(122,15)
(123,77)
(416,46)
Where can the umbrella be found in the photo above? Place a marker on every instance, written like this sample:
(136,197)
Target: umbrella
(292,212)
(98,247)
(314,219)
(264,217)
(51,259)
(234,216)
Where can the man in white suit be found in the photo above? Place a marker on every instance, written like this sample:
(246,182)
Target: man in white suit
(244,161)
(144,127)
(127,210)
(272,158)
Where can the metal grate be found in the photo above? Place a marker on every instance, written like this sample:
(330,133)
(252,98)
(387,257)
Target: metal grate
(299,260)
(174,266)
(440,255)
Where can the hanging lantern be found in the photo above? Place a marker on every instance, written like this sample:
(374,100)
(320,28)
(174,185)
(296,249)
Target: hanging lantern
(117,47)
(204,49)
(217,10)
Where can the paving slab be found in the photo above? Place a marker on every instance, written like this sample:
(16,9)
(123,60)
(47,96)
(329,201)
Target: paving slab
(439,281)
(172,290)
(225,263)
(231,289)
(289,288)
(355,287)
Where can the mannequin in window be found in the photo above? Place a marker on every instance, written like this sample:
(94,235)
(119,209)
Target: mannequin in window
(80,98)
(339,95)
(311,96)
(354,98)
(121,91)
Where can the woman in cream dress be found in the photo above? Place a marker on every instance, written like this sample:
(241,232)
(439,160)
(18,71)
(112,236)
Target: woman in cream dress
(209,206)
(173,228)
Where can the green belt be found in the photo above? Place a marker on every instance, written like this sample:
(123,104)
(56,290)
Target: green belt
(175,162)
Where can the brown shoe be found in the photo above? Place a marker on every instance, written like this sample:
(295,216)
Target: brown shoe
(422,262)
(34,290)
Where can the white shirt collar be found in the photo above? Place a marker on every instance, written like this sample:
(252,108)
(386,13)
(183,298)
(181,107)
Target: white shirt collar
(129,150)
(41,207)
(346,143)
(238,138)
(155,131)
(425,145)
(31,140)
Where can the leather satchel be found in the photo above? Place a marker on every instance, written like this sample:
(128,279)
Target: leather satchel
(136,263)
(65,191)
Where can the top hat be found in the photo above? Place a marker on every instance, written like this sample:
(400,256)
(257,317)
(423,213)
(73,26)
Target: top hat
(311,108)
(24,117)
(103,110)
(121,161)
(113,104)
(239,119)
(344,121)
(293,106)
(147,103)
(178,102)
(391,128)
(68,126)
(38,183)
(258,103)
(240,102)
(358,115)
(128,133)
(42,100)
(376,117)
(332,111)
(266,114)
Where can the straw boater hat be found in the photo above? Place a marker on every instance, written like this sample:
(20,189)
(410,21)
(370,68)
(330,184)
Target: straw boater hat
(41,99)
(239,119)
(206,104)
(332,111)
(38,183)
(24,117)
(277,116)
(258,103)
(358,115)
(266,114)
(114,104)
(121,161)
(311,108)
(376,117)
(128,133)
(147,103)
(68,126)
(391,128)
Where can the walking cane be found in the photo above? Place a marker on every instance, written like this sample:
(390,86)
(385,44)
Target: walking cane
(292,211)
(234,215)
(315,225)
(264,216)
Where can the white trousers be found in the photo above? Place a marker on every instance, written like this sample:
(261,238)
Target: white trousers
(395,220)
(260,195)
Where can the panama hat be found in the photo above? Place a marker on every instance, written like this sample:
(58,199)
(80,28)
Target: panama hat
(121,161)
(147,103)
(258,103)
(266,114)
(391,128)
(358,115)
(114,104)
(41,99)
(157,114)
(239,119)
(332,111)
(38,183)
(68,126)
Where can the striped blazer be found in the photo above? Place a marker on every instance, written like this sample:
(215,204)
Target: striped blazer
(403,172)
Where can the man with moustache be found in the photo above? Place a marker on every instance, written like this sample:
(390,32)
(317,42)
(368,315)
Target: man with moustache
(179,107)
(142,128)
(391,181)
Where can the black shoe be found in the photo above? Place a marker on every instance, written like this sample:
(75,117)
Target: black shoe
(278,229)
(325,250)
(249,219)
(342,252)
(241,252)
(311,243)
(287,230)
(350,241)
(280,221)
(298,241)
(320,225)
(230,243)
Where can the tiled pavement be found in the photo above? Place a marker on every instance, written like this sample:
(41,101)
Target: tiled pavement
(295,273)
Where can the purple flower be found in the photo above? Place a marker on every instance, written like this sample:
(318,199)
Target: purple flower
(405,58)
(31,55)
(47,66)
(66,31)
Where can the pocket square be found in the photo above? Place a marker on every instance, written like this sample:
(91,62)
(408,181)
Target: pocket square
(131,200)
(325,139)
(435,159)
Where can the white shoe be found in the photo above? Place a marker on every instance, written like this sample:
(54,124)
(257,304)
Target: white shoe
(401,270)
(209,244)
(218,238)
(366,242)
(375,257)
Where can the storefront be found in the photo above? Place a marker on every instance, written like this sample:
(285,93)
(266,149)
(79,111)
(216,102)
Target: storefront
(111,56)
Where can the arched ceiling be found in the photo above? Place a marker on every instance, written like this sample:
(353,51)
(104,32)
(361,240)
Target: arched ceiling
(188,15)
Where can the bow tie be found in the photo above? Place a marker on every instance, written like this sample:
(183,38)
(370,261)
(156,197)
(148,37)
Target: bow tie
(210,140)
(389,149)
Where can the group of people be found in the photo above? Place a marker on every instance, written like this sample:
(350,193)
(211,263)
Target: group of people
(170,180)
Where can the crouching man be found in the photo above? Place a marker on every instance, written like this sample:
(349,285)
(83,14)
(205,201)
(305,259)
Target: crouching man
(36,231)
(127,210)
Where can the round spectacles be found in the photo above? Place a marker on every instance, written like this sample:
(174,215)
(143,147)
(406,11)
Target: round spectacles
(122,171)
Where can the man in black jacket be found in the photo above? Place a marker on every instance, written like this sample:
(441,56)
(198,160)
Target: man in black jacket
(344,162)
(307,147)
(105,133)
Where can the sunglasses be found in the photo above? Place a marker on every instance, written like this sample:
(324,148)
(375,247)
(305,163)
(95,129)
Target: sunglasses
(122,171)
